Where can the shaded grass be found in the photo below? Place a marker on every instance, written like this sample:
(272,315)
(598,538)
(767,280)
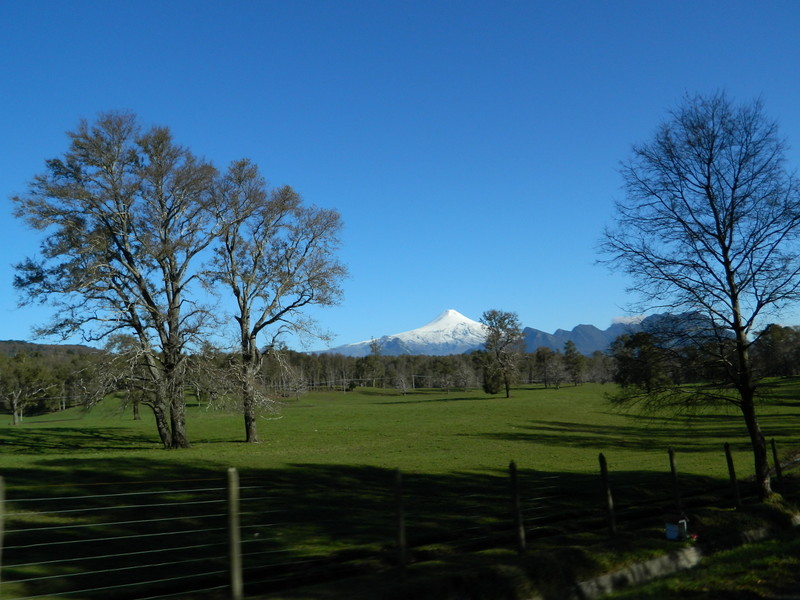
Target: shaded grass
(325,472)
(552,566)
(761,570)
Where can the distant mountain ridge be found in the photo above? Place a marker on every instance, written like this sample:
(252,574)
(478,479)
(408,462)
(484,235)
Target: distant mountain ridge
(453,333)
(587,338)
(12,347)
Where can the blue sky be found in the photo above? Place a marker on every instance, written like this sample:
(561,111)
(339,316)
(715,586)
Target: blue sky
(471,147)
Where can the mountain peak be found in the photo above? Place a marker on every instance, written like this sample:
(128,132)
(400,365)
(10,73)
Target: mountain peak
(449,333)
(448,319)
(450,313)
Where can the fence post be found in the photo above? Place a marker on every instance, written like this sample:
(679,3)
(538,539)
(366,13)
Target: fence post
(732,474)
(519,524)
(676,490)
(778,470)
(612,521)
(400,522)
(234,536)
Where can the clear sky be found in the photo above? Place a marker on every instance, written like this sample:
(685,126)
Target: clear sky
(471,147)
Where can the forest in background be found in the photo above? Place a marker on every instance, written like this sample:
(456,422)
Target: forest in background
(39,378)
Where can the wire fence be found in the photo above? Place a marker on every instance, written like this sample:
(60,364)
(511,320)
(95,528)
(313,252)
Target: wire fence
(224,537)
(132,544)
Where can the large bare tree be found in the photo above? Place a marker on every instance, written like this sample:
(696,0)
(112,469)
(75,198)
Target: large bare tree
(276,257)
(709,226)
(127,214)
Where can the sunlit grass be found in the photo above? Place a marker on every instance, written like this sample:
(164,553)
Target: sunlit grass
(425,431)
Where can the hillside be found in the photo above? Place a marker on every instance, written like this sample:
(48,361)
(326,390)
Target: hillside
(587,338)
(12,347)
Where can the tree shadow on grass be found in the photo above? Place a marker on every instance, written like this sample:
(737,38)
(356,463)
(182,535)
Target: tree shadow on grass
(780,392)
(699,434)
(440,399)
(303,523)
(596,437)
(23,440)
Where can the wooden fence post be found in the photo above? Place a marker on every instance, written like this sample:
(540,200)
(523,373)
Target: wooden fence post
(401,523)
(612,521)
(732,474)
(234,536)
(676,490)
(778,470)
(519,524)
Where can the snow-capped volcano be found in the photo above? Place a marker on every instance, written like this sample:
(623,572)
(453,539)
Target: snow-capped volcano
(449,333)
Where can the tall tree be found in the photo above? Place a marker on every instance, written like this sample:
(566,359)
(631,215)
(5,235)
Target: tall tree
(127,215)
(276,257)
(710,225)
(640,361)
(543,358)
(503,344)
(574,362)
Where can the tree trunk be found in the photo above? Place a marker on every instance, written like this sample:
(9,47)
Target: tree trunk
(161,423)
(177,416)
(136,415)
(250,366)
(747,388)
(250,427)
(16,408)
(167,402)
(175,400)
(759,444)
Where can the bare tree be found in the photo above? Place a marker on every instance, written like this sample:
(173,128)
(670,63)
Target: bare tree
(710,226)
(600,367)
(23,384)
(127,214)
(503,344)
(208,376)
(276,257)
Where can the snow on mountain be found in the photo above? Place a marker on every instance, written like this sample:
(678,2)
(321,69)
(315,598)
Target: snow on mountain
(453,333)
(449,333)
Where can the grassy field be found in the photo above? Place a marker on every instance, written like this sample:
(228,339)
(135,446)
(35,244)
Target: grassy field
(328,461)
(424,431)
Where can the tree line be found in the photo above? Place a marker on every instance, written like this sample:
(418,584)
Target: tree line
(34,382)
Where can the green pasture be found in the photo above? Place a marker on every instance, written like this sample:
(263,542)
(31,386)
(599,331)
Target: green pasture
(423,431)
(327,462)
